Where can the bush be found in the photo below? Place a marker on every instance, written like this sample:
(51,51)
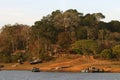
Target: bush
(116,51)
(19,56)
(5,58)
(106,54)
(76,51)
(86,46)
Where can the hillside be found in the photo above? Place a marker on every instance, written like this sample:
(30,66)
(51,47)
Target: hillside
(61,31)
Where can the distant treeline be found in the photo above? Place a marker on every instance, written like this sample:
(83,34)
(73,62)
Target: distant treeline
(68,32)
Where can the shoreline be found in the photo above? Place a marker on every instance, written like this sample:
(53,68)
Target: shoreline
(74,64)
(42,69)
(56,71)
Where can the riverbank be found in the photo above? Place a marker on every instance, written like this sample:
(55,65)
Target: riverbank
(71,64)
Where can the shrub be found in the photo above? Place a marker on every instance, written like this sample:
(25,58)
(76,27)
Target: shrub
(86,46)
(106,54)
(116,51)
(19,56)
(76,51)
(5,58)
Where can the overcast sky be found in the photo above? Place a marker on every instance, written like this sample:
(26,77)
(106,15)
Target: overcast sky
(29,11)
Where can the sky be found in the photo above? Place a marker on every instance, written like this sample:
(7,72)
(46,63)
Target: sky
(29,11)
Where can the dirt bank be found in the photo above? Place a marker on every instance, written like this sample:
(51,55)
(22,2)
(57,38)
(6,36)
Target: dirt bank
(73,64)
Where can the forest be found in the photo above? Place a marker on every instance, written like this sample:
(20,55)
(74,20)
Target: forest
(61,33)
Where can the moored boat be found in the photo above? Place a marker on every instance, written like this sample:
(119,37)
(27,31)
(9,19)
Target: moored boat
(34,69)
(35,62)
(92,70)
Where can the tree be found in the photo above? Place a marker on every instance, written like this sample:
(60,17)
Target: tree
(81,33)
(103,34)
(44,35)
(64,40)
(92,21)
(99,16)
(115,36)
(9,33)
(68,21)
(114,26)
(88,20)
(13,38)
(45,28)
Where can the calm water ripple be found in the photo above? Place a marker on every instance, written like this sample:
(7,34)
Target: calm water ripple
(28,75)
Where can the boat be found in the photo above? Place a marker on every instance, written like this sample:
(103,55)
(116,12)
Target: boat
(92,70)
(1,66)
(35,69)
(35,62)
(84,71)
(95,70)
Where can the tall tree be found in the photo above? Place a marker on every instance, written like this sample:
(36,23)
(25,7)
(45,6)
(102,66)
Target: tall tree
(68,21)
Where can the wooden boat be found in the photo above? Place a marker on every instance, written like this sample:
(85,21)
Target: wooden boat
(1,66)
(34,69)
(35,62)
(92,70)
(95,70)
(84,71)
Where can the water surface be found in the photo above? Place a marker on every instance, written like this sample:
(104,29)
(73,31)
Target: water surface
(28,75)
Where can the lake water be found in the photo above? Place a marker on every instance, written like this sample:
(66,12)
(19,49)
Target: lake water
(28,75)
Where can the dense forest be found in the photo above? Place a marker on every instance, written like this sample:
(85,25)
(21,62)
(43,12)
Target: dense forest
(61,33)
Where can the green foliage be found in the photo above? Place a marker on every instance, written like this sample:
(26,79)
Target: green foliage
(64,40)
(106,54)
(5,58)
(116,51)
(114,26)
(86,46)
(20,56)
(77,51)
(81,33)
(45,29)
